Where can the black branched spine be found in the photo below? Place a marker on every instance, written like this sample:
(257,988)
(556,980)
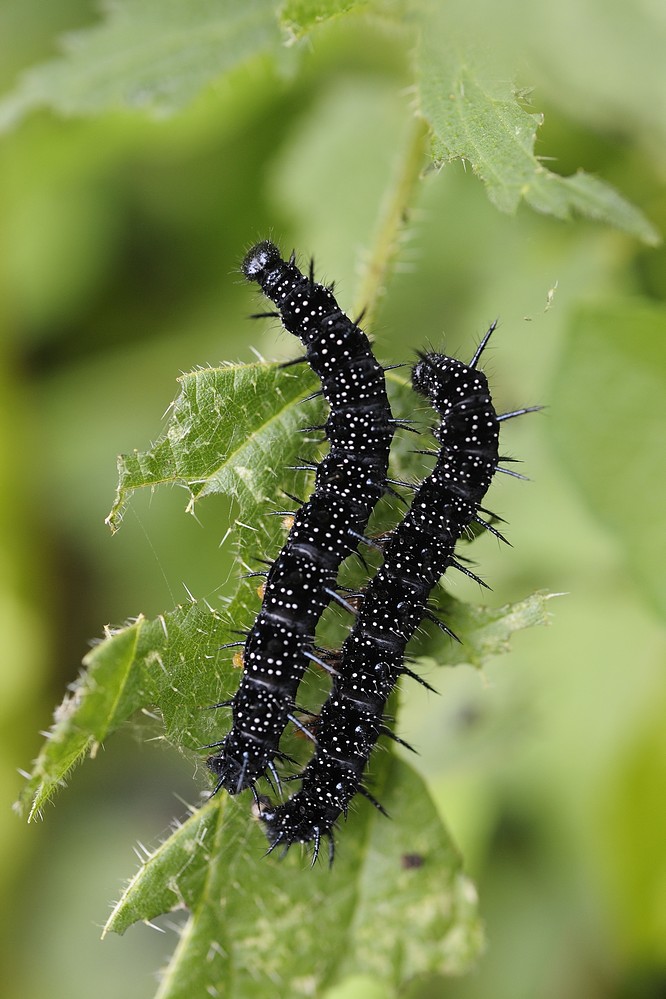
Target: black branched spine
(373,656)
(350,479)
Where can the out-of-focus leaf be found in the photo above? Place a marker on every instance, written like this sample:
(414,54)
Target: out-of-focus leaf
(158,56)
(477,116)
(26,635)
(146,54)
(299,17)
(610,399)
(632,830)
(323,154)
(395,903)
(483,631)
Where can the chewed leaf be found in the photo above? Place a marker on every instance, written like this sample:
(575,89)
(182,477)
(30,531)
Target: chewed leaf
(477,117)
(250,919)
(230,430)
(226,432)
(103,697)
(176,662)
(386,872)
(155,663)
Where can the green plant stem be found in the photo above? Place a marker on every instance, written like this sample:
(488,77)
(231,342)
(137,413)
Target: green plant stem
(393,216)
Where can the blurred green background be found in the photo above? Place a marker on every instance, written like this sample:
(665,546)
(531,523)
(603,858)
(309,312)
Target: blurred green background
(120,244)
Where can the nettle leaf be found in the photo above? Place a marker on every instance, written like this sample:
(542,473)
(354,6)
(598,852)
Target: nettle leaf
(395,903)
(232,429)
(154,663)
(223,432)
(476,116)
(153,55)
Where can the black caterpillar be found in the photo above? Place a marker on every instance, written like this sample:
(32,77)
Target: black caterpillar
(396,600)
(349,481)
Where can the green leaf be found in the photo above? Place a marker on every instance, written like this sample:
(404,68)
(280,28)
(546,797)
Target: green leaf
(299,17)
(224,434)
(379,911)
(477,117)
(148,663)
(101,700)
(483,631)
(174,663)
(157,56)
(610,399)
(154,55)
(232,429)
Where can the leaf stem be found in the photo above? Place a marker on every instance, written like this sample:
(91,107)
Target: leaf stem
(394,213)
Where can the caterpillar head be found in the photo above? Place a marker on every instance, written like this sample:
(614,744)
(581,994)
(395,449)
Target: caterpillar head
(261,259)
(447,382)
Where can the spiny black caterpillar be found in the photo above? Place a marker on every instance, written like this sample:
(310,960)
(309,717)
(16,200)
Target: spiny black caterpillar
(350,479)
(421,548)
